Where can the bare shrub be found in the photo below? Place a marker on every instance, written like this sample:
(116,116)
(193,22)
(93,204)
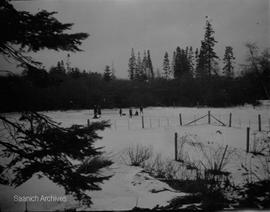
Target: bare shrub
(155,166)
(201,160)
(259,166)
(137,155)
(216,158)
(172,169)
(162,168)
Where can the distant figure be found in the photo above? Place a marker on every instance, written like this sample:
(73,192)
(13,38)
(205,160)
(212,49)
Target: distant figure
(130,112)
(120,111)
(99,110)
(95,112)
(136,113)
(141,109)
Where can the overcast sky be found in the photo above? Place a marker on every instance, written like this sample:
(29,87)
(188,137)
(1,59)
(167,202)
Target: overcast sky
(116,26)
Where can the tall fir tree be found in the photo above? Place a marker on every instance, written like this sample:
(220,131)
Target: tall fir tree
(177,63)
(150,65)
(166,66)
(132,65)
(228,61)
(207,56)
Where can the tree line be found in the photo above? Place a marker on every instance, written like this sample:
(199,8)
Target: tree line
(59,89)
(185,63)
(192,78)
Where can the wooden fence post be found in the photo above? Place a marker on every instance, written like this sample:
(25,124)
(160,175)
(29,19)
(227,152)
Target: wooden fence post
(221,162)
(26,208)
(209,117)
(180,119)
(142,122)
(175,146)
(248,135)
(230,120)
(259,123)
(88,122)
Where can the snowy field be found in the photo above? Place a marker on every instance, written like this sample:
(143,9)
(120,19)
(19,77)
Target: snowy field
(130,187)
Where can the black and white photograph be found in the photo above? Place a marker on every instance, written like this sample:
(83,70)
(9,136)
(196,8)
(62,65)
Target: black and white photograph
(134,105)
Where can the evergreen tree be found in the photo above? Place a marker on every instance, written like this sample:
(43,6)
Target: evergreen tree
(228,61)
(34,144)
(207,54)
(181,64)
(139,74)
(150,65)
(132,65)
(202,65)
(177,63)
(191,60)
(196,63)
(107,76)
(166,66)
(186,67)
(58,73)
(59,69)
(173,64)
(145,71)
(41,146)
(74,73)
(24,31)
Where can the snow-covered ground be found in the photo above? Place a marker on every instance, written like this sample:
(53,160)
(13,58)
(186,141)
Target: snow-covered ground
(129,186)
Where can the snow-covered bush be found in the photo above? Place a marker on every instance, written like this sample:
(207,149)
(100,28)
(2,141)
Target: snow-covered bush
(137,155)
(162,168)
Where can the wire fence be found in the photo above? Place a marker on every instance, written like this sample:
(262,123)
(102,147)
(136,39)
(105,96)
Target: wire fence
(259,123)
